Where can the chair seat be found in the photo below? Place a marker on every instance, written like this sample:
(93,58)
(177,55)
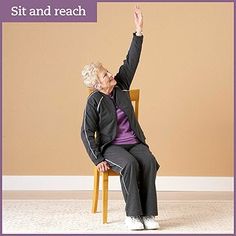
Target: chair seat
(112,173)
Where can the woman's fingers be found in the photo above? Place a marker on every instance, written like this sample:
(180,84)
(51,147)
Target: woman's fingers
(107,166)
(137,7)
(137,10)
(103,166)
(100,166)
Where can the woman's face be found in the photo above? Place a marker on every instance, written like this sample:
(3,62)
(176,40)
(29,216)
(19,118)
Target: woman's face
(106,79)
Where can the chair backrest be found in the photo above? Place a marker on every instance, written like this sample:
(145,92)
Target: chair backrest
(134,97)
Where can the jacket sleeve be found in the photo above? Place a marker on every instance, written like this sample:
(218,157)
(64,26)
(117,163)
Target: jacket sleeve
(126,71)
(88,129)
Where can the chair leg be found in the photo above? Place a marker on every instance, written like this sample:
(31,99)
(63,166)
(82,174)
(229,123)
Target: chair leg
(104,196)
(95,190)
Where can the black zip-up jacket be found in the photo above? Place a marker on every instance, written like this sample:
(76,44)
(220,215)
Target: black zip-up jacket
(100,111)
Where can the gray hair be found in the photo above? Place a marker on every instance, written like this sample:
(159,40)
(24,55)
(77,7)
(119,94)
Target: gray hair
(89,74)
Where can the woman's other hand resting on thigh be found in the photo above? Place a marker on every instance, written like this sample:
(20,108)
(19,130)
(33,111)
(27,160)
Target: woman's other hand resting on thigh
(103,166)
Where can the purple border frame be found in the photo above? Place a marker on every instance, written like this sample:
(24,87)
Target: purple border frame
(4,3)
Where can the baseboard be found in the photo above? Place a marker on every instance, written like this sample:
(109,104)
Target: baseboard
(114,195)
(163,183)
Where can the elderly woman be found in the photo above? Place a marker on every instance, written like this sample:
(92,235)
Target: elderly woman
(120,142)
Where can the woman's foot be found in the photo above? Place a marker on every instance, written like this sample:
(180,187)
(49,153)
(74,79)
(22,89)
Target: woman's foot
(134,222)
(150,222)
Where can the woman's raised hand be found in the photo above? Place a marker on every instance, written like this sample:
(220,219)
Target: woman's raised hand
(138,19)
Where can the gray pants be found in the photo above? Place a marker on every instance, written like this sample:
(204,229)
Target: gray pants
(137,168)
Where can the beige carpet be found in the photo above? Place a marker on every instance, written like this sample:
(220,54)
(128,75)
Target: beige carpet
(74,216)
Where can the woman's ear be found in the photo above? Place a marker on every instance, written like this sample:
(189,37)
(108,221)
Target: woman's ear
(98,86)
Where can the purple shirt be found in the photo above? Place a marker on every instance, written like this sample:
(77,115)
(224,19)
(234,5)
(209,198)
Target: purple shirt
(125,135)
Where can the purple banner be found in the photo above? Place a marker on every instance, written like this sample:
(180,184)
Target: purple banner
(48,11)
(60,10)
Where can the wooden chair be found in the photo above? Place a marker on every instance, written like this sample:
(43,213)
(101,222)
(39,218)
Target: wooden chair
(134,95)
